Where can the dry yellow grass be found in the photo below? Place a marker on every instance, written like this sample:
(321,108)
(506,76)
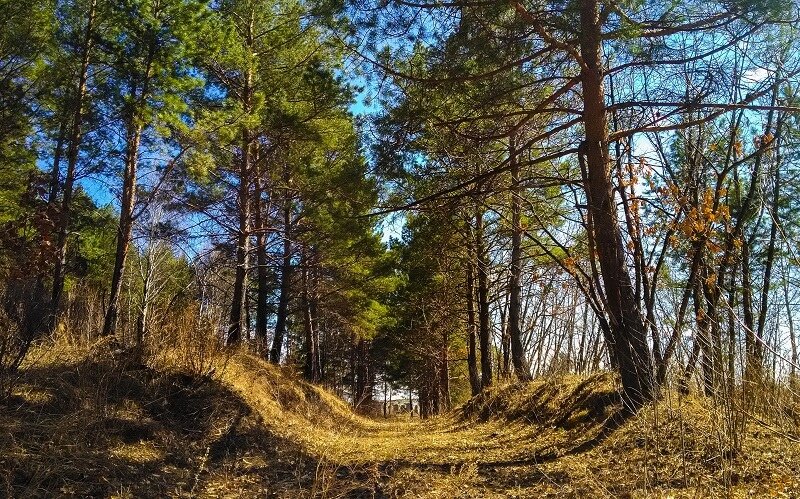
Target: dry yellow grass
(81,425)
(547,438)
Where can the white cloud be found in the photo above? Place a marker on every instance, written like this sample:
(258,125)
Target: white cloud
(756,75)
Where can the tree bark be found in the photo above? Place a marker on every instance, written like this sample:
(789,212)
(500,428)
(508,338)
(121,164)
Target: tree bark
(677,330)
(444,374)
(55,171)
(769,258)
(237,324)
(504,359)
(125,225)
(75,135)
(472,326)
(792,338)
(286,274)
(262,295)
(147,295)
(521,368)
(754,355)
(704,337)
(311,347)
(627,328)
(484,331)
(362,393)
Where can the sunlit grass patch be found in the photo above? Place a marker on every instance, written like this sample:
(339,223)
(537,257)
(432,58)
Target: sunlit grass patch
(32,394)
(138,453)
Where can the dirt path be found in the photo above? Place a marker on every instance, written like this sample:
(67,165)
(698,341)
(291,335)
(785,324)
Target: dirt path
(445,458)
(449,456)
(536,440)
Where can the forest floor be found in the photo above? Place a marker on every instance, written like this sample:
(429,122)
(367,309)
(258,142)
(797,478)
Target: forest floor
(80,425)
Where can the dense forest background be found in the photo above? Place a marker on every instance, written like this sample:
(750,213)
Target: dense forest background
(420,196)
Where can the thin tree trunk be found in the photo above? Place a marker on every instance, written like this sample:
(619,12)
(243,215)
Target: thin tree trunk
(792,337)
(144,309)
(75,136)
(661,374)
(311,364)
(521,368)
(444,374)
(683,382)
(55,171)
(262,296)
(125,226)
(286,274)
(363,381)
(128,201)
(237,324)
(388,411)
(753,348)
(504,362)
(484,332)
(704,336)
(732,324)
(472,326)
(769,258)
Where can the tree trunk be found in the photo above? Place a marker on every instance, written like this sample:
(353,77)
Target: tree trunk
(286,275)
(147,293)
(125,225)
(703,337)
(262,297)
(753,349)
(663,364)
(484,332)
(133,140)
(363,374)
(237,326)
(683,382)
(792,338)
(769,258)
(311,350)
(75,136)
(472,326)
(444,374)
(504,360)
(55,171)
(521,367)
(627,328)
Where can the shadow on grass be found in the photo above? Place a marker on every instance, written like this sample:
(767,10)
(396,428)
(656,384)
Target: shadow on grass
(589,416)
(601,432)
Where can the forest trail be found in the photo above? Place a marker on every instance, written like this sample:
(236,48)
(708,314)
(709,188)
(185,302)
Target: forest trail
(449,456)
(556,438)
(82,425)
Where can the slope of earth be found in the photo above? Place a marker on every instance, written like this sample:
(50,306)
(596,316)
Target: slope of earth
(79,425)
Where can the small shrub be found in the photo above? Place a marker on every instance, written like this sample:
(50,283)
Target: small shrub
(190,343)
(22,318)
(12,351)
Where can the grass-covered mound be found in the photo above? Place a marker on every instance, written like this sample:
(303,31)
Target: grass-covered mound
(583,444)
(83,423)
